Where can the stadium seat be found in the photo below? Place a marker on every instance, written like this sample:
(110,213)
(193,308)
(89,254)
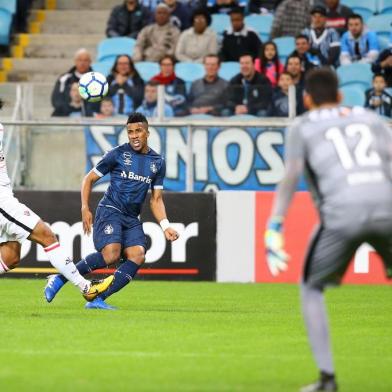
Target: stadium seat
(385,6)
(147,69)
(5,27)
(261,24)
(356,73)
(285,46)
(353,96)
(189,72)
(8,5)
(381,24)
(365,8)
(228,69)
(112,47)
(104,67)
(200,116)
(220,22)
(383,42)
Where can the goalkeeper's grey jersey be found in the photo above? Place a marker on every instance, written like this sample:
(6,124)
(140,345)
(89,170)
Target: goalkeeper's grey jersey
(348,160)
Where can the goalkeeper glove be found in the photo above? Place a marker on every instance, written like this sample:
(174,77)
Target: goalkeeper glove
(273,238)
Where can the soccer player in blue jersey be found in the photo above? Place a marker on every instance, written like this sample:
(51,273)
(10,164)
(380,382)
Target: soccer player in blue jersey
(118,233)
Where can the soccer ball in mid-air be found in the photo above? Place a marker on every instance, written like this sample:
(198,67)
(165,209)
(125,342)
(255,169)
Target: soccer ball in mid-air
(93,86)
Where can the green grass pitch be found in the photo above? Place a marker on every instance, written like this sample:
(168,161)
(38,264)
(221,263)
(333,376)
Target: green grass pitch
(169,336)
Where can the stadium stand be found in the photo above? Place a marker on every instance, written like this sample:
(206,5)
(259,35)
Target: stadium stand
(189,72)
(353,96)
(8,5)
(228,69)
(381,24)
(261,24)
(220,22)
(384,7)
(285,45)
(147,69)
(358,74)
(365,8)
(110,48)
(103,67)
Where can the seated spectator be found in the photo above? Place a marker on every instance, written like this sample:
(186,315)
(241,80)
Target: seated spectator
(268,63)
(280,97)
(106,109)
(238,39)
(125,86)
(302,50)
(377,97)
(207,95)
(149,106)
(195,42)
(61,91)
(74,106)
(383,65)
(175,89)
(263,6)
(358,44)
(157,40)
(291,17)
(294,68)
(249,92)
(337,15)
(127,19)
(324,42)
(224,6)
(180,14)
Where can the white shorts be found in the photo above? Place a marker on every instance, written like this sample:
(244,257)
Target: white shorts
(16,220)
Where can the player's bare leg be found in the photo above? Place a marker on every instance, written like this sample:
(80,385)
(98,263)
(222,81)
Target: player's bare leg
(9,256)
(315,315)
(133,257)
(44,236)
(109,255)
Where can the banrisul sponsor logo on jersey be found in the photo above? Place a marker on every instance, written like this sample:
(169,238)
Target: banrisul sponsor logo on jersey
(133,176)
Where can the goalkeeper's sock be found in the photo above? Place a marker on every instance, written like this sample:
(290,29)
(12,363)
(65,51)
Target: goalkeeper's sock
(92,262)
(65,266)
(315,315)
(123,275)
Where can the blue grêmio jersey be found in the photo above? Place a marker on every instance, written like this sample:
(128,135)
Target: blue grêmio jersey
(131,175)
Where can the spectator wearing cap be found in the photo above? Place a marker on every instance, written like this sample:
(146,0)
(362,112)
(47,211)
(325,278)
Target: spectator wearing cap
(337,15)
(291,17)
(157,40)
(249,92)
(358,44)
(238,39)
(324,42)
(198,40)
(180,14)
(127,19)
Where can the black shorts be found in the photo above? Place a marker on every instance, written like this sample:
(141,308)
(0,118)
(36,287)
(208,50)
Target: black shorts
(331,250)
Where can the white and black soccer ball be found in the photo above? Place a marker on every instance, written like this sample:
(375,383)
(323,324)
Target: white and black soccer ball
(93,86)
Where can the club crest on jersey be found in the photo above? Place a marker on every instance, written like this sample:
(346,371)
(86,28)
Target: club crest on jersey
(127,158)
(26,212)
(108,229)
(153,167)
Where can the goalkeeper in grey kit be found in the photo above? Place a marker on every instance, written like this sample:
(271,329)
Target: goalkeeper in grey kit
(347,156)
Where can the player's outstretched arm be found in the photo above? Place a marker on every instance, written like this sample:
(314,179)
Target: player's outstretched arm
(87,185)
(159,211)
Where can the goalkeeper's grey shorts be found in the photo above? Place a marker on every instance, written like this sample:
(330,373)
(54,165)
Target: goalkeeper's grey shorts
(331,250)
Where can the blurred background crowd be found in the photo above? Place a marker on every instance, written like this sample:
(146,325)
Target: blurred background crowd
(219,57)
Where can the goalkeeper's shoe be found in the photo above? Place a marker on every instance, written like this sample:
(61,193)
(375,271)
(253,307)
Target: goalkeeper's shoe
(53,286)
(325,383)
(97,287)
(99,303)
(277,258)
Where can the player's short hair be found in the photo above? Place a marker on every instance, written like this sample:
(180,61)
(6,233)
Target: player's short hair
(322,85)
(137,117)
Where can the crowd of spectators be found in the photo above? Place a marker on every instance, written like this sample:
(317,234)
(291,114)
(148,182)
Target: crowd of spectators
(168,31)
